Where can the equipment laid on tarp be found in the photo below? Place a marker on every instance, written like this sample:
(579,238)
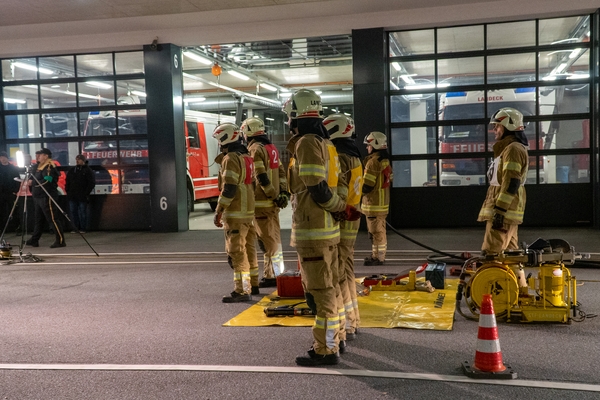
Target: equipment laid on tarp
(393,309)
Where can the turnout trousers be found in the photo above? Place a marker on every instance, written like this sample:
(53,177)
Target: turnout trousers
(236,238)
(267,228)
(317,266)
(377,232)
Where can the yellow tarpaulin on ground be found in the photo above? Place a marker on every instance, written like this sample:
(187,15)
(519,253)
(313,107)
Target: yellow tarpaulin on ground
(389,309)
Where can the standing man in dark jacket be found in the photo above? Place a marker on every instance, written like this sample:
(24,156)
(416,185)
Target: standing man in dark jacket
(45,176)
(80,182)
(8,189)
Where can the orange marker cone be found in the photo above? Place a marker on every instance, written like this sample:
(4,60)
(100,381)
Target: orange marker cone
(488,357)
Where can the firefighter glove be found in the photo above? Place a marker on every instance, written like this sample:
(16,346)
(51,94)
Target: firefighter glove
(217,221)
(498,221)
(282,200)
(350,213)
(48,178)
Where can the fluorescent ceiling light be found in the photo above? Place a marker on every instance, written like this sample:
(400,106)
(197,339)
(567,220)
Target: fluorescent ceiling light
(549,78)
(32,67)
(197,57)
(575,53)
(318,91)
(14,101)
(238,75)
(407,78)
(191,100)
(561,68)
(139,93)
(397,66)
(99,85)
(268,87)
(270,119)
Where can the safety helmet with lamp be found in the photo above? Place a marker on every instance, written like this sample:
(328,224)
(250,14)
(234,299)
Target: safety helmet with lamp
(377,140)
(227,133)
(509,118)
(305,103)
(253,126)
(339,126)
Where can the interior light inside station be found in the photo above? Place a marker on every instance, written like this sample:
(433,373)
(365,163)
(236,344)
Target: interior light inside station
(30,67)
(139,93)
(238,75)
(99,85)
(268,87)
(197,57)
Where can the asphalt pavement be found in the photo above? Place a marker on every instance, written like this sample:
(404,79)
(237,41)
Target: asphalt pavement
(144,320)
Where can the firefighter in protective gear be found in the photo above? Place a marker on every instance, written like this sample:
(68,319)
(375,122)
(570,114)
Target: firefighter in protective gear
(342,133)
(504,203)
(235,207)
(313,178)
(267,172)
(377,180)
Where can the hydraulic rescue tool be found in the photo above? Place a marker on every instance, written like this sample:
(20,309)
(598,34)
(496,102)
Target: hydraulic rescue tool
(547,294)
(388,282)
(289,310)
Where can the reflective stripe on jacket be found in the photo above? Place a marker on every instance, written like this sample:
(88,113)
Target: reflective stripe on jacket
(237,169)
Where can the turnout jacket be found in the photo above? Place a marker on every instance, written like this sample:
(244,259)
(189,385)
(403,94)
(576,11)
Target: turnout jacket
(351,171)
(267,167)
(507,174)
(313,174)
(46,169)
(377,180)
(236,182)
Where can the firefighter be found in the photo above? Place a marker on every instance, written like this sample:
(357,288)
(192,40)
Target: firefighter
(44,191)
(268,198)
(342,134)
(235,207)
(313,179)
(504,202)
(377,180)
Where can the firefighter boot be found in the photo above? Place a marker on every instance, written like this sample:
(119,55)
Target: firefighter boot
(255,290)
(312,359)
(267,282)
(236,297)
(372,261)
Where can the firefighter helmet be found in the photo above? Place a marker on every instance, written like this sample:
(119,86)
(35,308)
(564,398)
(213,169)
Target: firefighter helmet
(304,103)
(227,133)
(377,140)
(253,126)
(339,126)
(509,118)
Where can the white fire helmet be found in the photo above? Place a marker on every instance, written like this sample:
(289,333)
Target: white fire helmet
(509,118)
(377,140)
(339,126)
(304,103)
(227,133)
(253,126)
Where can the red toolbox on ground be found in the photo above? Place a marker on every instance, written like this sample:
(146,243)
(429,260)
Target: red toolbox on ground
(289,284)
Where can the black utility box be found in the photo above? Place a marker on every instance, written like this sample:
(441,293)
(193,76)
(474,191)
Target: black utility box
(435,273)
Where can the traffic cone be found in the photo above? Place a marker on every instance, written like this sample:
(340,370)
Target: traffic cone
(488,357)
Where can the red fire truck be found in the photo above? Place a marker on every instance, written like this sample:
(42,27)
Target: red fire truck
(461,138)
(201,150)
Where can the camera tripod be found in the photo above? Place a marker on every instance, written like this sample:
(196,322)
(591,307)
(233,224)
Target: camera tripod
(6,249)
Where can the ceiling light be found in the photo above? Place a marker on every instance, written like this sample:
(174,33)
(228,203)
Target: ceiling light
(575,53)
(32,67)
(99,85)
(270,119)
(14,101)
(197,57)
(268,87)
(561,68)
(238,75)
(397,66)
(191,100)
(139,93)
(318,91)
